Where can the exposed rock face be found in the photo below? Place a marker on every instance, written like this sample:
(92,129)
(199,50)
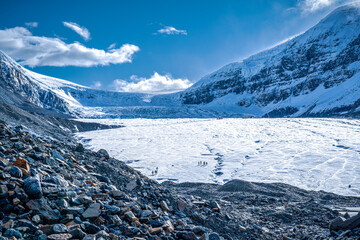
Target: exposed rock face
(20,86)
(313,74)
(16,87)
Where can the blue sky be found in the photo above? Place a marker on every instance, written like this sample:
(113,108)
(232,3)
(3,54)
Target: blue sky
(155,46)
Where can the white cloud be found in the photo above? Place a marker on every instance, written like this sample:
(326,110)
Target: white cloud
(112,46)
(32,24)
(156,84)
(314,5)
(171,31)
(33,51)
(309,6)
(82,31)
(96,85)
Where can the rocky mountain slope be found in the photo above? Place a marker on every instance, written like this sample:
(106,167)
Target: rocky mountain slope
(313,74)
(51,189)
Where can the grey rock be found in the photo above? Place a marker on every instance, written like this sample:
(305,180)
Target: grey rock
(62,203)
(117,194)
(90,228)
(112,209)
(57,180)
(40,237)
(164,206)
(12,233)
(102,178)
(74,210)
(102,234)
(214,204)
(28,224)
(199,230)
(15,172)
(77,233)
(42,206)
(104,153)
(93,211)
(84,199)
(214,236)
(3,189)
(89,237)
(55,154)
(59,228)
(186,235)
(341,223)
(32,188)
(131,185)
(36,219)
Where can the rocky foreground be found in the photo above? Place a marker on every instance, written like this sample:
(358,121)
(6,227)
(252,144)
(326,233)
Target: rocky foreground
(52,189)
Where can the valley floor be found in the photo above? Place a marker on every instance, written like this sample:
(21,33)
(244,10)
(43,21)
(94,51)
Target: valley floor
(314,154)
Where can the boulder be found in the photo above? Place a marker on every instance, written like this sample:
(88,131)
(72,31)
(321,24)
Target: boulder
(181,205)
(59,228)
(131,185)
(341,223)
(93,211)
(12,233)
(42,207)
(15,172)
(77,233)
(32,188)
(186,235)
(104,153)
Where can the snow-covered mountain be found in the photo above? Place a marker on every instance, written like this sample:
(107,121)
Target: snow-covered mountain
(316,73)
(18,84)
(313,74)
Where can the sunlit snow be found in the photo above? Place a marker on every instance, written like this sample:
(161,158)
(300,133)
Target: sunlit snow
(316,154)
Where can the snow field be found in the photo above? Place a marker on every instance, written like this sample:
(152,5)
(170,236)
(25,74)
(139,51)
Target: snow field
(316,154)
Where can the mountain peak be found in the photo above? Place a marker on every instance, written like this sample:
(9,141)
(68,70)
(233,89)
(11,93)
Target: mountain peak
(313,74)
(344,14)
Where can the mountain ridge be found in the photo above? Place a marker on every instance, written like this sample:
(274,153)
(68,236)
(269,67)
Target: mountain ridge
(326,48)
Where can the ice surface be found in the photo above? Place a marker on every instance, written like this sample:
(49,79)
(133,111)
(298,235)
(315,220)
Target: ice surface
(316,154)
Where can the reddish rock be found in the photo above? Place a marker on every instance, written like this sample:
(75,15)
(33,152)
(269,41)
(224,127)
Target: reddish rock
(21,163)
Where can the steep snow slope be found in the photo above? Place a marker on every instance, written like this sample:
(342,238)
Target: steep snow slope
(19,85)
(313,74)
(57,94)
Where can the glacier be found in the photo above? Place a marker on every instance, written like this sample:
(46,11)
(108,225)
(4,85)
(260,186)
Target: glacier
(310,153)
